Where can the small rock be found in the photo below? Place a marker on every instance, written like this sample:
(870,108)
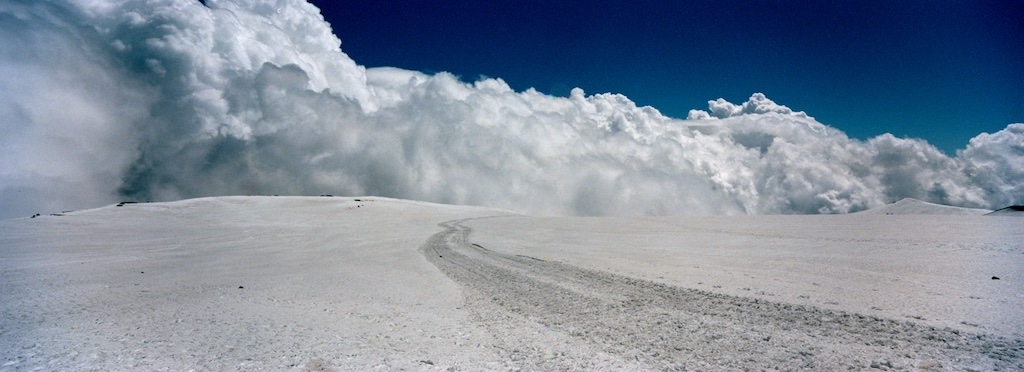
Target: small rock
(995,278)
(884,365)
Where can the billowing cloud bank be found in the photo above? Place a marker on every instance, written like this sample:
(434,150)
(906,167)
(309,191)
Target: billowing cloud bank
(168,99)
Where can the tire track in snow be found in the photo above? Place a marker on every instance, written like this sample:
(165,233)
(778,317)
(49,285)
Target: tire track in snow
(657,326)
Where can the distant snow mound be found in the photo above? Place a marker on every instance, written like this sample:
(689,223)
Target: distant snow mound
(914,206)
(1013,210)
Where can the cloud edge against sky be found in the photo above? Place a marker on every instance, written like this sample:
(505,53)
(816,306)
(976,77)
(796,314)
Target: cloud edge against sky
(170,99)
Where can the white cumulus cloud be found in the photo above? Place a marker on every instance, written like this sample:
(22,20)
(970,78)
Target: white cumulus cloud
(168,99)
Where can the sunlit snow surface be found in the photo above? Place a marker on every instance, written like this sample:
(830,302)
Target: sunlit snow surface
(163,100)
(327,282)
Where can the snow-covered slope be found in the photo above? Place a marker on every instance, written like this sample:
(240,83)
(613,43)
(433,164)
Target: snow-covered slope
(307,283)
(914,206)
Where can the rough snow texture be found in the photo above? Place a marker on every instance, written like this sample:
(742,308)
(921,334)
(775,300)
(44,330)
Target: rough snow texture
(282,283)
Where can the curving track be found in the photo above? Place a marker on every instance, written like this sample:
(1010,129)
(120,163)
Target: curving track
(549,315)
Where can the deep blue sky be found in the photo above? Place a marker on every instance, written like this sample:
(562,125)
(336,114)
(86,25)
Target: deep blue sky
(939,70)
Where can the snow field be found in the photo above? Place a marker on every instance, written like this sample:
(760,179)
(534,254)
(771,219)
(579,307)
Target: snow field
(244,283)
